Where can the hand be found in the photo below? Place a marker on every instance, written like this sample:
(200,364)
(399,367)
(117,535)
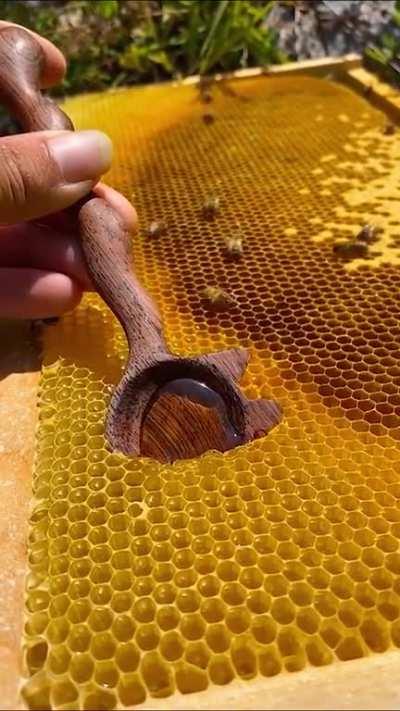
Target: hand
(42,270)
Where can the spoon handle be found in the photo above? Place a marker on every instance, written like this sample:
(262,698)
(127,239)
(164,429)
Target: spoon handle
(105,240)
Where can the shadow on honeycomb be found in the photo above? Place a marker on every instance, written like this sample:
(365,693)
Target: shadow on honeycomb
(147,579)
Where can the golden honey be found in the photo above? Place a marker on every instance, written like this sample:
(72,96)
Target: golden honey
(145,579)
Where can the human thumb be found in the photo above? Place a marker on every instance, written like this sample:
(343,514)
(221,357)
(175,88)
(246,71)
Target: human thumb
(44,172)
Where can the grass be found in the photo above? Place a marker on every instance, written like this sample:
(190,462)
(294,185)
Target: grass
(383,56)
(113,42)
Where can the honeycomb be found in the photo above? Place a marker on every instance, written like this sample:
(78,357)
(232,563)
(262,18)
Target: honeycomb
(147,580)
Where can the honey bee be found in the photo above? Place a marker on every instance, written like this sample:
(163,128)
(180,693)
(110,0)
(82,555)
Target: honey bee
(208,119)
(369,234)
(205,97)
(205,86)
(218,299)
(210,207)
(389,129)
(353,249)
(156,229)
(234,246)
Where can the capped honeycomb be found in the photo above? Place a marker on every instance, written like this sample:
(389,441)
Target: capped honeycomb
(148,580)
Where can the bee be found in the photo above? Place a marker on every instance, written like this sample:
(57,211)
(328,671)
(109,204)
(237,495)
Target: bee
(353,249)
(205,86)
(369,234)
(234,246)
(210,207)
(218,299)
(156,229)
(205,97)
(208,119)
(389,129)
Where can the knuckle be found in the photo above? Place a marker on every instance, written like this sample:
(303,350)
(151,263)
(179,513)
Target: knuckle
(14,182)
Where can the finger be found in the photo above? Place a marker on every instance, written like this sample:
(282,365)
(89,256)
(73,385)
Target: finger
(66,221)
(119,203)
(41,247)
(44,172)
(54,65)
(33,293)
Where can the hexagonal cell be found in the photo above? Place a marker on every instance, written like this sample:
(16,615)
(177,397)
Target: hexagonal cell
(276,585)
(243,657)
(103,646)
(144,610)
(192,626)
(147,636)
(36,691)
(308,620)
(198,654)
(318,653)
(106,674)
(99,699)
(205,564)
(127,657)
(82,667)
(286,550)
(269,662)
(388,604)
(165,593)
(213,610)
(99,619)
(349,648)
(365,595)
(36,655)
(375,633)
(264,629)
(331,632)
(233,593)
(208,586)
(218,637)
(123,628)
(131,690)
(63,692)
(172,646)
(79,638)
(156,674)
(167,617)
(121,601)
(283,611)
(190,679)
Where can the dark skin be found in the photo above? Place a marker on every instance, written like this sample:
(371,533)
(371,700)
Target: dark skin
(42,270)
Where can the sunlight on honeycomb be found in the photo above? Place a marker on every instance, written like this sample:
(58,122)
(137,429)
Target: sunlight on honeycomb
(146,579)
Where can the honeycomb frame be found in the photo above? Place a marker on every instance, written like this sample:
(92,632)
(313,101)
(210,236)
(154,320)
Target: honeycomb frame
(297,650)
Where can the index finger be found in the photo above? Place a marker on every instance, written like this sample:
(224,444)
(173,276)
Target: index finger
(54,65)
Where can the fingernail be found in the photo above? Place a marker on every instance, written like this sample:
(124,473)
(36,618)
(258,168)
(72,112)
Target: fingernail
(82,155)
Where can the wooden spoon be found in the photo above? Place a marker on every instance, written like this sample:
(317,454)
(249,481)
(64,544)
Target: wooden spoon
(165,406)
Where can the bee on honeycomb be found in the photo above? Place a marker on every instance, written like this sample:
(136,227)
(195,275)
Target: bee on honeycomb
(218,299)
(389,129)
(369,234)
(208,119)
(353,249)
(234,246)
(205,86)
(210,207)
(206,97)
(156,229)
